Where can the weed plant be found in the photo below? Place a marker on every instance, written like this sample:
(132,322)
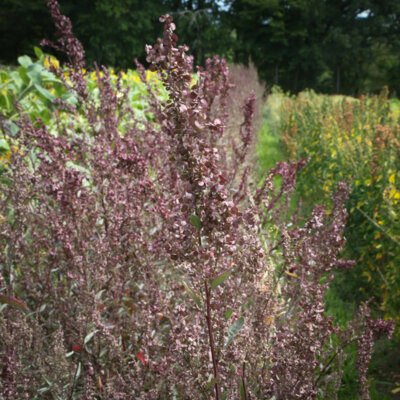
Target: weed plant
(140,261)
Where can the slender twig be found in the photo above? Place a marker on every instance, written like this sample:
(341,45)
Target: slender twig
(73,382)
(244,381)
(211,338)
(326,366)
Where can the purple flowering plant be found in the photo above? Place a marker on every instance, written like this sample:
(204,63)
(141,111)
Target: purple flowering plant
(139,259)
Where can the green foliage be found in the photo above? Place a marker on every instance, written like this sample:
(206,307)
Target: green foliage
(358,141)
(114,32)
(270,149)
(220,279)
(33,87)
(332,46)
(355,140)
(32,90)
(233,330)
(195,221)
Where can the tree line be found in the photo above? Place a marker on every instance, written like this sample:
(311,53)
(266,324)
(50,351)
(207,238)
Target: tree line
(332,46)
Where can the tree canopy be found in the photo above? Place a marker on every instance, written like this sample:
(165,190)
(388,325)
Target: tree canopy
(332,46)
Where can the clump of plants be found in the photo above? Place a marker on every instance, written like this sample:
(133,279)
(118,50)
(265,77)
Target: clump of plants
(139,260)
(357,140)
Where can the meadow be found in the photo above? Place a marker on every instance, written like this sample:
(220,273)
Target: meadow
(146,253)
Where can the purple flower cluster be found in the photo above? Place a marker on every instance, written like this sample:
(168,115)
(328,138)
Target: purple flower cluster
(152,265)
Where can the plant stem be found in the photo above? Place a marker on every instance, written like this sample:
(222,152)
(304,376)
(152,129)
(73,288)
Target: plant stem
(244,381)
(326,366)
(211,338)
(73,382)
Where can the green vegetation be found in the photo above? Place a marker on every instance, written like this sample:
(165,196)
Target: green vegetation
(35,89)
(357,140)
(349,47)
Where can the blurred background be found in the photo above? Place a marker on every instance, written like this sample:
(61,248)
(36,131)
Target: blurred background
(332,46)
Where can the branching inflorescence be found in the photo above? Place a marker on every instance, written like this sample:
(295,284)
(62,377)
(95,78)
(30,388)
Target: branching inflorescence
(150,265)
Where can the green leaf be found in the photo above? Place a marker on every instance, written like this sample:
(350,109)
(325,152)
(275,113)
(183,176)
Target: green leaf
(103,352)
(38,52)
(10,215)
(89,336)
(233,330)
(217,281)
(99,294)
(23,75)
(12,301)
(25,91)
(195,297)
(11,128)
(25,61)
(45,93)
(69,97)
(242,393)
(228,313)
(212,382)
(78,372)
(195,221)
(4,147)
(34,71)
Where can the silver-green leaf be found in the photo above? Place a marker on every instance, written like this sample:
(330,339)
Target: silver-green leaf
(195,297)
(233,330)
(220,279)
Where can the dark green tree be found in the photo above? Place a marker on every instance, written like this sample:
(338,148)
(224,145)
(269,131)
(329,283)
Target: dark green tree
(281,38)
(23,24)
(203,26)
(340,46)
(114,32)
(332,46)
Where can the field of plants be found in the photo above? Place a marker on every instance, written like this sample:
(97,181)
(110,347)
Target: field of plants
(358,141)
(152,248)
